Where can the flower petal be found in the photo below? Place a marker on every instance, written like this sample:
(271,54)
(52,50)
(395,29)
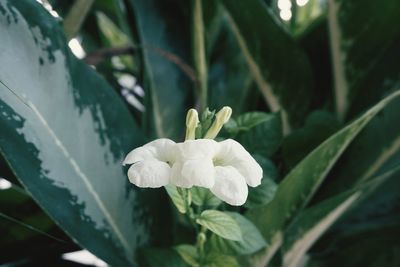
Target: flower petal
(160,149)
(190,173)
(230,186)
(149,173)
(197,149)
(231,153)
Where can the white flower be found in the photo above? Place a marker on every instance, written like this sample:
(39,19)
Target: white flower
(226,168)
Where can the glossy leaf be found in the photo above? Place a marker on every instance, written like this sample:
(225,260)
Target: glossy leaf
(220,260)
(64,140)
(204,198)
(189,254)
(365,65)
(272,57)
(252,239)
(167,86)
(221,224)
(176,198)
(265,192)
(300,184)
(268,134)
(318,127)
(163,258)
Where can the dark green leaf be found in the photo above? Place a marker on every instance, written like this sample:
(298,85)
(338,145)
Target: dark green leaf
(268,135)
(265,192)
(163,258)
(300,184)
(65,132)
(272,57)
(252,239)
(163,31)
(365,61)
(318,127)
(220,260)
(189,254)
(221,224)
(176,197)
(204,198)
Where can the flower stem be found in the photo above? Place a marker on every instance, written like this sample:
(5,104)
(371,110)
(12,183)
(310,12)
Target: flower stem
(199,52)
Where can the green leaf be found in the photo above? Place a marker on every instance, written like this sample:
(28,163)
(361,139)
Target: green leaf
(313,222)
(230,81)
(221,224)
(65,141)
(268,133)
(176,198)
(189,254)
(272,57)
(247,121)
(265,192)
(220,260)
(377,149)
(252,239)
(295,191)
(318,127)
(365,64)
(164,33)
(163,258)
(317,220)
(204,198)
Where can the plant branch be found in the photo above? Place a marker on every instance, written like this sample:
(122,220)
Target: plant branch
(100,55)
(199,52)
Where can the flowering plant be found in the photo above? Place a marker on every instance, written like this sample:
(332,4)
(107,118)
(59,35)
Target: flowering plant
(190,170)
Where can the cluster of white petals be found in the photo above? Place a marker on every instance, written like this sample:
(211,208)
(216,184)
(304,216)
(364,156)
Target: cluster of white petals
(226,168)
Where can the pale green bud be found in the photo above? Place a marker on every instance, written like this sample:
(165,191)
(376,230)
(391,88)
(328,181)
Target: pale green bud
(221,118)
(192,120)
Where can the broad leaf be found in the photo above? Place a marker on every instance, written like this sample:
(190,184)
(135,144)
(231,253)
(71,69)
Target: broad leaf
(265,128)
(163,258)
(365,61)
(265,192)
(221,224)
(189,254)
(252,239)
(176,197)
(300,184)
(374,220)
(272,57)
(377,149)
(64,133)
(163,37)
(220,260)
(204,198)
(318,127)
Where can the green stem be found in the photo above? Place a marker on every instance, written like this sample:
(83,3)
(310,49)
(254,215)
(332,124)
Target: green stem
(201,232)
(76,17)
(199,52)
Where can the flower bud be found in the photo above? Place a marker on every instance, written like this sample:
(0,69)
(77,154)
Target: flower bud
(221,118)
(192,120)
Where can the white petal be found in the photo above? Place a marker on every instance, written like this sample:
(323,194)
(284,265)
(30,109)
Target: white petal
(231,153)
(190,173)
(149,173)
(197,149)
(230,186)
(159,149)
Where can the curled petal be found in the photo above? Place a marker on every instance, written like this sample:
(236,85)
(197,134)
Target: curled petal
(193,173)
(197,149)
(149,173)
(159,149)
(231,153)
(230,186)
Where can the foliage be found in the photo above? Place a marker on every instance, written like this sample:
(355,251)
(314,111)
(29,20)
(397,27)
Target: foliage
(315,100)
